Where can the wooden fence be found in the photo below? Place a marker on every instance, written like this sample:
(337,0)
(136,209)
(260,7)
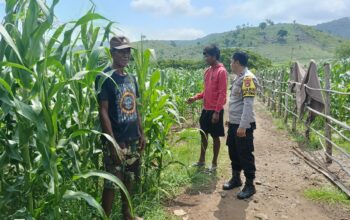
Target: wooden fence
(275,93)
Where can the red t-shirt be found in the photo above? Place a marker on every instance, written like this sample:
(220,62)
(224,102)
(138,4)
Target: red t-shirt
(215,88)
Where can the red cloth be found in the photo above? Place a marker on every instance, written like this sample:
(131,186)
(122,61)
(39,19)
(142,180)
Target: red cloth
(215,88)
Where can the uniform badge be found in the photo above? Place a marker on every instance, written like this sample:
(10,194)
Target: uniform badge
(248,87)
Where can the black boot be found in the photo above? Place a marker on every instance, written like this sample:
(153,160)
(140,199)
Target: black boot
(248,190)
(234,182)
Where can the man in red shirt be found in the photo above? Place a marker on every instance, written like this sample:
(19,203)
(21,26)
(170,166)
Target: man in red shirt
(214,99)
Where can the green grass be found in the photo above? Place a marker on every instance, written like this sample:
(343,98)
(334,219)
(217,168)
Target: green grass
(326,194)
(297,136)
(341,142)
(178,179)
(329,195)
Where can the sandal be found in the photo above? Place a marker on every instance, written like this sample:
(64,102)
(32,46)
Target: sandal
(213,168)
(198,164)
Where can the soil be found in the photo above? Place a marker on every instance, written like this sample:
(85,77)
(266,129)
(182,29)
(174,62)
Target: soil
(281,180)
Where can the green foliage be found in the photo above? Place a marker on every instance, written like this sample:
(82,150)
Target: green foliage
(262,25)
(343,51)
(329,195)
(46,95)
(256,61)
(282,33)
(340,81)
(51,153)
(339,27)
(181,64)
(270,22)
(302,43)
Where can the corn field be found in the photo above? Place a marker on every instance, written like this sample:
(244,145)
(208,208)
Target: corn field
(50,149)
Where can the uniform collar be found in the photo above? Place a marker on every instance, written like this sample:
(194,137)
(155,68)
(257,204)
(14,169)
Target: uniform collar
(245,70)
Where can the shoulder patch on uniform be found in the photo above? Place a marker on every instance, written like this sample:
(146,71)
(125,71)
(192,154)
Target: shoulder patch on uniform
(248,87)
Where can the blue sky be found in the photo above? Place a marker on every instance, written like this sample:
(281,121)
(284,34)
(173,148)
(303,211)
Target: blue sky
(190,19)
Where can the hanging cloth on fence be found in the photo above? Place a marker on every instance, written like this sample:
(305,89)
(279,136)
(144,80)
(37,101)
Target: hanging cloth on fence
(305,96)
(297,75)
(314,98)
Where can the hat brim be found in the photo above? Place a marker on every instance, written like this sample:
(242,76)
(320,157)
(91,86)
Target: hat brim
(123,47)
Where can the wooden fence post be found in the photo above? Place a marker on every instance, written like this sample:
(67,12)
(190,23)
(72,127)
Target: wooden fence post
(280,94)
(268,97)
(263,88)
(295,111)
(286,108)
(308,124)
(273,101)
(328,134)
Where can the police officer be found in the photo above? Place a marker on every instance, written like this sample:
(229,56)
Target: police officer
(241,126)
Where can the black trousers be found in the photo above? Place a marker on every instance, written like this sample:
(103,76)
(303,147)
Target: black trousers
(241,150)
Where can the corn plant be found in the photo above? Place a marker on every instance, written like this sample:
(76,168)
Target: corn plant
(182,84)
(49,133)
(159,115)
(50,149)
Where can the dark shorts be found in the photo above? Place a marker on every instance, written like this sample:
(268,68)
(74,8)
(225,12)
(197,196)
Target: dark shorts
(128,168)
(215,130)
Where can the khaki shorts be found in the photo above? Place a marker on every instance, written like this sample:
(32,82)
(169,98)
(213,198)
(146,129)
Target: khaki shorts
(127,168)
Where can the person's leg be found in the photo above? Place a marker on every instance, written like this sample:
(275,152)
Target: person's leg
(132,177)
(204,146)
(235,181)
(217,131)
(109,193)
(107,200)
(125,204)
(203,121)
(216,150)
(247,159)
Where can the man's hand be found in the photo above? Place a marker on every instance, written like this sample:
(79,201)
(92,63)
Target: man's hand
(215,118)
(191,100)
(142,142)
(241,132)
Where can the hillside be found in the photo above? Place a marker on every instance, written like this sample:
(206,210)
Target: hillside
(302,43)
(340,27)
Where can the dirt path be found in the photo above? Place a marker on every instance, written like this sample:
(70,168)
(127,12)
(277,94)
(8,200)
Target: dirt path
(281,180)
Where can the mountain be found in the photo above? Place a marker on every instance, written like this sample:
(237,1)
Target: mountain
(340,27)
(300,42)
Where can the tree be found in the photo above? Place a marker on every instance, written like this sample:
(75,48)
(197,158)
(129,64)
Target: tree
(173,43)
(270,22)
(227,42)
(343,51)
(282,34)
(256,61)
(262,25)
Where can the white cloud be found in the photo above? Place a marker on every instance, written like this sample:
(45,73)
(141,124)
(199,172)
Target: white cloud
(170,7)
(177,34)
(134,33)
(303,11)
(130,32)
